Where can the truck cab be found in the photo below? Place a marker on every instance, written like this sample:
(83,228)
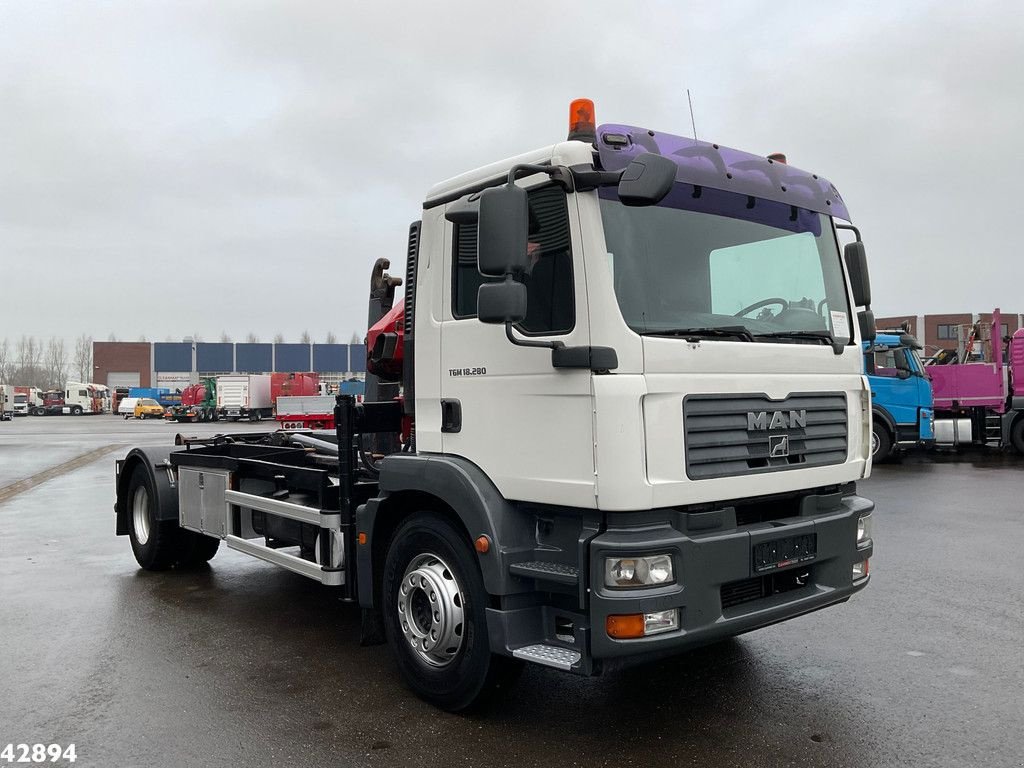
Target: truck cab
(901,394)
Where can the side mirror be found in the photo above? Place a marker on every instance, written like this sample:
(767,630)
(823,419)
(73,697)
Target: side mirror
(646,180)
(503,302)
(857,266)
(902,373)
(866,321)
(503,228)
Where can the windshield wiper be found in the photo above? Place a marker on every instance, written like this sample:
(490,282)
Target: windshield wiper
(695,334)
(825,336)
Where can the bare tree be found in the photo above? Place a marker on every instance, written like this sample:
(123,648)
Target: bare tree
(305,338)
(5,361)
(142,338)
(251,338)
(331,338)
(57,364)
(82,362)
(29,362)
(112,336)
(356,338)
(279,338)
(225,338)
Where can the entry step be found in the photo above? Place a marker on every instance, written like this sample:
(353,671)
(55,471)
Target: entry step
(556,572)
(549,655)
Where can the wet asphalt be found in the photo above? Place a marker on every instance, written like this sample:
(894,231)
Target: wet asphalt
(245,664)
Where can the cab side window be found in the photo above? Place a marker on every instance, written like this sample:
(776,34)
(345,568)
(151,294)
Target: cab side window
(889,363)
(550,302)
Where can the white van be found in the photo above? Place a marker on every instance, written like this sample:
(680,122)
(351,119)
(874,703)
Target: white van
(126,407)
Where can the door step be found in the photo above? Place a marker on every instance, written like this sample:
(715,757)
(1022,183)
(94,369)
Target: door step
(556,572)
(549,656)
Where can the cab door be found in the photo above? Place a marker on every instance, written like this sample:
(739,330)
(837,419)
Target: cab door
(893,385)
(504,407)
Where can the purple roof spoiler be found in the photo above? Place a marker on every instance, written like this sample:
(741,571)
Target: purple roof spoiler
(718,167)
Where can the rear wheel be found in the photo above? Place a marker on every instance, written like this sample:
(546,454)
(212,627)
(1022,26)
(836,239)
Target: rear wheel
(161,544)
(434,616)
(1017,434)
(154,541)
(881,442)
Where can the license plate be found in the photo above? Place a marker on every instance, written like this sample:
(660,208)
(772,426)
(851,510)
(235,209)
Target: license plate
(781,553)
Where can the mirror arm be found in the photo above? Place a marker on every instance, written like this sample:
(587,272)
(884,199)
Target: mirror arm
(851,228)
(586,178)
(528,343)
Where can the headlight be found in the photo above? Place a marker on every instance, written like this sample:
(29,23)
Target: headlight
(648,571)
(863,530)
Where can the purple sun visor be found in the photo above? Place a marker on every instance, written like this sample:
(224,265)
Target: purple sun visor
(717,167)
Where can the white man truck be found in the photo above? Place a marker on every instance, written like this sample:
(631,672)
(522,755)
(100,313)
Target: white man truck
(631,414)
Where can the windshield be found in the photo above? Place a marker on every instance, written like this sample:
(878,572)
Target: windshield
(706,259)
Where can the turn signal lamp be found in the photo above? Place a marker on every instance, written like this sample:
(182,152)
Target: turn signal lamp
(582,125)
(629,626)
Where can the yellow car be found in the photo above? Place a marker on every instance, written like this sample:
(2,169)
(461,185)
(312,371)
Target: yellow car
(147,407)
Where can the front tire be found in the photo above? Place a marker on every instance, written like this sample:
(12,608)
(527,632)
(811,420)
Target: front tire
(1017,435)
(881,443)
(434,616)
(76,411)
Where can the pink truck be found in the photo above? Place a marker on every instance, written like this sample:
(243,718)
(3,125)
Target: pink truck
(982,403)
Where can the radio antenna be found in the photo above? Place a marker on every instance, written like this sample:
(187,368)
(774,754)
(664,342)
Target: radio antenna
(692,121)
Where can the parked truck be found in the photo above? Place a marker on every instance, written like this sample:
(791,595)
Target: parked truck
(26,399)
(244,397)
(631,420)
(981,403)
(293,385)
(901,395)
(77,399)
(6,402)
(198,402)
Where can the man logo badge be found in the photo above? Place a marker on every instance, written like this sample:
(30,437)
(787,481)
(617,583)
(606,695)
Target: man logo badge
(778,446)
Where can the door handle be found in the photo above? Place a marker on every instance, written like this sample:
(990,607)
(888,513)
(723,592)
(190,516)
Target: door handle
(451,416)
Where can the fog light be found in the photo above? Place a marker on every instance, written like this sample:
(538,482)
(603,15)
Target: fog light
(863,530)
(649,571)
(633,625)
(661,621)
(860,570)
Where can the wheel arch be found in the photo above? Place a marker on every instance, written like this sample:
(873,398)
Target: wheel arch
(880,414)
(156,463)
(450,487)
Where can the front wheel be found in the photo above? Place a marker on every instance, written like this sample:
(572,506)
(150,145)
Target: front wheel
(1017,435)
(434,616)
(881,443)
(76,411)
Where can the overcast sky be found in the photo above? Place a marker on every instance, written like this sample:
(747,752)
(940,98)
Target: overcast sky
(177,168)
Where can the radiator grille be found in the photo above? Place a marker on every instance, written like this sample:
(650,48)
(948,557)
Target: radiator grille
(720,442)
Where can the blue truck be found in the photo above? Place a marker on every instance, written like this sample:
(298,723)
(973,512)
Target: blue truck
(901,394)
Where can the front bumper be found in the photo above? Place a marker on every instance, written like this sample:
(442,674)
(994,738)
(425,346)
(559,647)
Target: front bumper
(718,590)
